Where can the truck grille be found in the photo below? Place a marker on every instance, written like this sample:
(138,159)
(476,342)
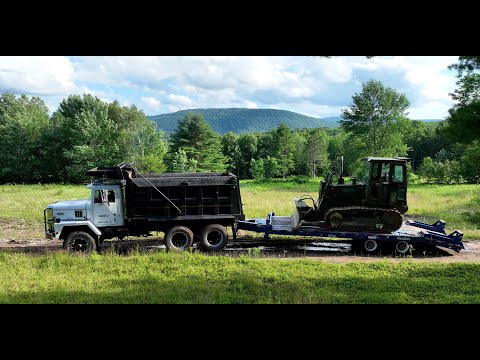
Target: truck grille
(78,213)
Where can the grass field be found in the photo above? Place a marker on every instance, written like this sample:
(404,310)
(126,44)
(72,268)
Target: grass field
(198,278)
(21,209)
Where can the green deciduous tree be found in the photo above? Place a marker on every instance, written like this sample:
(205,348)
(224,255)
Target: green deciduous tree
(181,163)
(376,115)
(87,137)
(470,163)
(138,138)
(316,152)
(299,157)
(466,64)
(23,121)
(248,146)
(231,151)
(463,122)
(257,167)
(271,168)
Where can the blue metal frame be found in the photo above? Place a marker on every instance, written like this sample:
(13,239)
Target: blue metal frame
(431,234)
(438,226)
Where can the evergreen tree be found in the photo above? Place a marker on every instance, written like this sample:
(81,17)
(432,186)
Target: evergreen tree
(284,149)
(200,142)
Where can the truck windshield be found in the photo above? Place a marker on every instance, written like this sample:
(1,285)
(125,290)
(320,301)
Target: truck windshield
(99,196)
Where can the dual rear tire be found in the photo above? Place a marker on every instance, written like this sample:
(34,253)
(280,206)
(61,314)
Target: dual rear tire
(212,237)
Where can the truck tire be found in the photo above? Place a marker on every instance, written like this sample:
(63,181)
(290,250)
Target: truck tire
(213,237)
(80,242)
(178,238)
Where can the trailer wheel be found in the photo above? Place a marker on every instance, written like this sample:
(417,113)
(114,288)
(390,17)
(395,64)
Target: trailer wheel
(370,245)
(213,237)
(178,238)
(81,242)
(402,247)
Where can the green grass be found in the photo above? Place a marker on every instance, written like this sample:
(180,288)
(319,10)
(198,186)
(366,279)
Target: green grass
(21,212)
(456,204)
(199,278)
(21,209)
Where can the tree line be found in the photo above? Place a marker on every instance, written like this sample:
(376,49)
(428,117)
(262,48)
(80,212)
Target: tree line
(85,132)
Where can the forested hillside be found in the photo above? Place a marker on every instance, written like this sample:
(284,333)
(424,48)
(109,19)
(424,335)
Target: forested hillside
(240,120)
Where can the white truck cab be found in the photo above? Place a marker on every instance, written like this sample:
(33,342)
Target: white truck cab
(103,209)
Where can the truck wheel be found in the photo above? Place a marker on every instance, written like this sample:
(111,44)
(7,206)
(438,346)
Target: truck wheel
(370,245)
(213,237)
(179,238)
(80,241)
(402,247)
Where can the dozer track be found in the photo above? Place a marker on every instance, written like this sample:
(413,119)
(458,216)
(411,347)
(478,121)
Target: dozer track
(360,218)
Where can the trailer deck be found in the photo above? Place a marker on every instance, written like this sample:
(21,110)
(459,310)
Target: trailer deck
(412,232)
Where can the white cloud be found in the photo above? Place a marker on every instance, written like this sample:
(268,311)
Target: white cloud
(36,75)
(430,110)
(249,105)
(180,100)
(314,86)
(151,103)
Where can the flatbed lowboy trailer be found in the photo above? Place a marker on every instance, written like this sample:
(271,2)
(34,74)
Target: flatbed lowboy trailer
(412,233)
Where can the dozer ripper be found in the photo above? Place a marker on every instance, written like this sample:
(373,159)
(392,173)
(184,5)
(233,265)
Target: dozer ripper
(375,203)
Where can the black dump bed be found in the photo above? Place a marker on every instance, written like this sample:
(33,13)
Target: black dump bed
(166,196)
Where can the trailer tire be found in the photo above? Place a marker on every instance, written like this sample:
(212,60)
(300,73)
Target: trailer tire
(178,238)
(80,242)
(402,247)
(370,245)
(213,237)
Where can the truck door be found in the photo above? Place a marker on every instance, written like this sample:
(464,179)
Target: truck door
(398,196)
(378,182)
(104,207)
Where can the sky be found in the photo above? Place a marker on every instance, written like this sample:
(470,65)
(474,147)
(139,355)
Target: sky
(313,86)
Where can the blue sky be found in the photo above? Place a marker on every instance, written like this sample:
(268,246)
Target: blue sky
(313,86)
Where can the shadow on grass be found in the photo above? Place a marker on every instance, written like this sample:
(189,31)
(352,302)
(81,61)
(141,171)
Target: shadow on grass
(265,249)
(374,283)
(472,217)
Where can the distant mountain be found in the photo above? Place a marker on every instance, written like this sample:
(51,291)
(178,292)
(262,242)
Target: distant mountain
(240,120)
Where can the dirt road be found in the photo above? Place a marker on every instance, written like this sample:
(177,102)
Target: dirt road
(328,251)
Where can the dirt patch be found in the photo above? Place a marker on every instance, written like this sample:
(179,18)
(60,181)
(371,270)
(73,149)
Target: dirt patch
(328,251)
(17,229)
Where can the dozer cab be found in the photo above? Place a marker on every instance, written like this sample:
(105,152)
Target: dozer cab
(374,202)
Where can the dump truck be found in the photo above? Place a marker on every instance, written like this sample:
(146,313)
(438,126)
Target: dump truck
(198,208)
(188,208)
